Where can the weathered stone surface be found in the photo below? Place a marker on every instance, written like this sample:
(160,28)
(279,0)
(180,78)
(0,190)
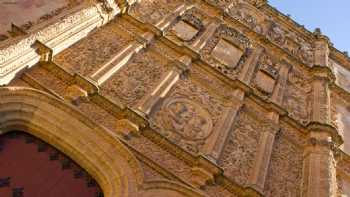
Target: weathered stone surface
(238,156)
(285,173)
(136,78)
(188,115)
(89,54)
(215,98)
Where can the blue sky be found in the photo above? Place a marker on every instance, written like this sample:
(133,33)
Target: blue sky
(332,16)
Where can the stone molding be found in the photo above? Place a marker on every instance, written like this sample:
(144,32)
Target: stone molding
(57,37)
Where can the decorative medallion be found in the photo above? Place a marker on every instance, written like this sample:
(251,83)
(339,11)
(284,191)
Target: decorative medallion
(186,118)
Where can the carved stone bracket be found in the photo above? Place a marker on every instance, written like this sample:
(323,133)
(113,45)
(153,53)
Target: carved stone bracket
(200,177)
(44,51)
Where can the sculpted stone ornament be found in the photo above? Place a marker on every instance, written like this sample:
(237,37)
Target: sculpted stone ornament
(276,34)
(186,118)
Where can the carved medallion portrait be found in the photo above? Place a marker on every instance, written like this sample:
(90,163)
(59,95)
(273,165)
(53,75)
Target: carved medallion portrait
(186,118)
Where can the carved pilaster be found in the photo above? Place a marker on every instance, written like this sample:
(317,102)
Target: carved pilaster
(278,93)
(214,145)
(181,67)
(122,58)
(319,173)
(250,65)
(202,40)
(262,159)
(168,20)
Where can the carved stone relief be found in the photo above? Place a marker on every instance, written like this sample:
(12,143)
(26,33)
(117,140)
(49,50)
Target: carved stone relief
(285,172)
(247,14)
(297,96)
(188,27)
(188,115)
(239,47)
(266,76)
(186,118)
(152,11)
(33,12)
(136,78)
(89,54)
(291,42)
(237,159)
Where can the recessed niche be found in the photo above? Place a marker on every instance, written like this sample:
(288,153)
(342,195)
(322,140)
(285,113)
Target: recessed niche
(227,53)
(185,31)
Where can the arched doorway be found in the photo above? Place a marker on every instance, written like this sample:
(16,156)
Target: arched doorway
(29,167)
(94,148)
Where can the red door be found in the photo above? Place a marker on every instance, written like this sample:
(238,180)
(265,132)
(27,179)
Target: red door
(31,168)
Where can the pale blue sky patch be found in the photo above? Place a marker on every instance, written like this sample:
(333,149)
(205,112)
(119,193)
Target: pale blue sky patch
(332,16)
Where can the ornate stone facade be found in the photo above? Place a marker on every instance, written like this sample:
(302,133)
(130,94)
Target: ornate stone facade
(181,97)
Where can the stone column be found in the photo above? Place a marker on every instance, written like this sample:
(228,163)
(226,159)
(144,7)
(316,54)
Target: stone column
(319,167)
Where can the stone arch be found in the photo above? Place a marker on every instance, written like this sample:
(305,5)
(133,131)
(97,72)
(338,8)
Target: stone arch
(94,148)
(161,188)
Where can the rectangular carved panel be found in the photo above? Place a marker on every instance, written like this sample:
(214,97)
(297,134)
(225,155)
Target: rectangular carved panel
(238,155)
(284,176)
(227,53)
(89,54)
(134,80)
